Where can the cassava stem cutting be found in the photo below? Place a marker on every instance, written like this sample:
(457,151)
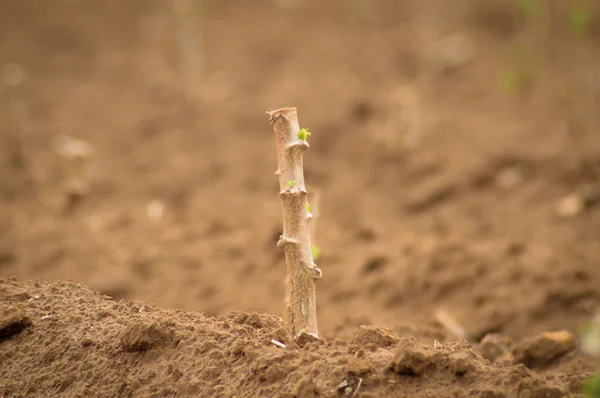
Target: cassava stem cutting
(295,241)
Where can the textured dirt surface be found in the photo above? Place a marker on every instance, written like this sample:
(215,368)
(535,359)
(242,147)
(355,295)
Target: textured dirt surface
(77,342)
(465,223)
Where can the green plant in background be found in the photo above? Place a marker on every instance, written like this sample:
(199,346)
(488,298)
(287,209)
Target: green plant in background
(521,70)
(592,387)
(314,213)
(590,345)
(580,18)
(580,21)
(303,134)
(530,8)
(316,250)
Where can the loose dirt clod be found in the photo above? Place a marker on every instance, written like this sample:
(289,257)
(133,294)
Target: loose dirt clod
(412,358)
(544,348)
(462,363)
(368,335)
(13,320)
(493,346)
(143,336)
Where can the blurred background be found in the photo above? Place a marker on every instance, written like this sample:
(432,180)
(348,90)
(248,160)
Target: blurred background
(454,147)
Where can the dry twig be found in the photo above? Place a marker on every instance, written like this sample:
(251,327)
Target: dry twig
(187,18)
(451,324)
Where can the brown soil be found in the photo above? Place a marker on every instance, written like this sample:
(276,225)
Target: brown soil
(66,340)
(403,234)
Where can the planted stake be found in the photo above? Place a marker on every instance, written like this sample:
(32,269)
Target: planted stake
(295,241)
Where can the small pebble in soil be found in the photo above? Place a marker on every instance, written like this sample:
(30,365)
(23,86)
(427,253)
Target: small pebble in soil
(570,206)
(509,178)
(303,338)
(155,210)
(350,386)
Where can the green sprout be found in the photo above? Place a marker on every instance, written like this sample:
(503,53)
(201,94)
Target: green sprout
(530,8)
(581,19)
(521,73)
(586,327)
(592,387)
(316,252)
(308,207)
(292,183)
(303,134)
(515,80)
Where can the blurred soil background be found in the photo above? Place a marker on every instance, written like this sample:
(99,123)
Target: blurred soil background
(454,146)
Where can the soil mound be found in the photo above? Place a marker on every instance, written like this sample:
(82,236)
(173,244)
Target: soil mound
(63,339)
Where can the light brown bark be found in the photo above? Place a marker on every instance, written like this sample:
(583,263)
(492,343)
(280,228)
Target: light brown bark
(295,241)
